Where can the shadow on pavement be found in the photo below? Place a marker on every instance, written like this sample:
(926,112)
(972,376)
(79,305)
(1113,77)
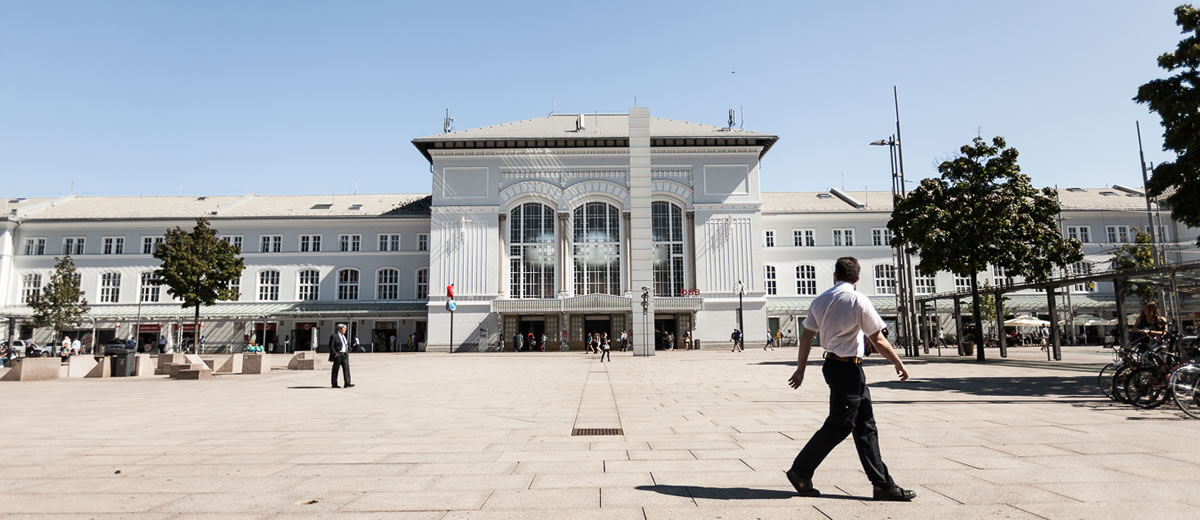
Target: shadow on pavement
(1040,386)
(305,387)
(733,493)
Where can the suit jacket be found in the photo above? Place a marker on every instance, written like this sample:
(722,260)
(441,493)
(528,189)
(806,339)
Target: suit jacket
(335,346)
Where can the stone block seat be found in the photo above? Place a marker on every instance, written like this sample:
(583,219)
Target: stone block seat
(193,367)
(256,364)
(33,369)
(305,360)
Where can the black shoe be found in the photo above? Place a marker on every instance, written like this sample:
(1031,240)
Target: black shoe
(895,494)
(349,386)
(804,487)
(335,386)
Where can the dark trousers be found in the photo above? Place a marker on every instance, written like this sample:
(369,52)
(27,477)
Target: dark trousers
(342,360)
(849,412)
(605,352)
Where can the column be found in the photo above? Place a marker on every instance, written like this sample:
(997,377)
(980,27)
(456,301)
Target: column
(502,277)
(564,255)
(628,267)
(640,252)
(691,245)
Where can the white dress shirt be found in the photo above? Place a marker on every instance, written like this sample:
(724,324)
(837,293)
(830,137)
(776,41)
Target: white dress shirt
(842,315)
(342,338)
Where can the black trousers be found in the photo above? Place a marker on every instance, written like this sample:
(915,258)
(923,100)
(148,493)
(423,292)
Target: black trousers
(849,412)
(605,352)
(342,360)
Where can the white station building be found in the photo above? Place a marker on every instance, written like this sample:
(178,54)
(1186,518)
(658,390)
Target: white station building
(563,225)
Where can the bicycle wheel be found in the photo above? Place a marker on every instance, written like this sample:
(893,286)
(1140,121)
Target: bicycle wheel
(1185,389)
(1120,384)
(1145,388)
(1105,380)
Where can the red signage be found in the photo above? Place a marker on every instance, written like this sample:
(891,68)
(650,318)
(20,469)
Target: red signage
(189,327)
(148,327)
(450,291)
(306,325)
(259,327)
(689,292)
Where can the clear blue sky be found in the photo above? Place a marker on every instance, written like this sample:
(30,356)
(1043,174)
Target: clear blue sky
(276,97)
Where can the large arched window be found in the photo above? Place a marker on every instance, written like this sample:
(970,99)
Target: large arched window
(347,284)
(666,231)
(531,251)
(387,284)
(597,248)
(268,286)
(308,285)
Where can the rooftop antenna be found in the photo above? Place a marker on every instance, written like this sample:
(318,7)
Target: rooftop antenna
(447,123)
(741,117)
(732,118)
(635,101)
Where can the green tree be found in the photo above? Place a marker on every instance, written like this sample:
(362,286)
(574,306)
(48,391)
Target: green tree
(1176,99)
(1138,255)
(198,268)
(983,211)
(60,305)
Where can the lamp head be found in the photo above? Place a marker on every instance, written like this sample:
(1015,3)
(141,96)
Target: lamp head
(880,142)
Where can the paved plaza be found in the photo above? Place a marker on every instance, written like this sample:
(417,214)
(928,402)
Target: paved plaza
(707,435)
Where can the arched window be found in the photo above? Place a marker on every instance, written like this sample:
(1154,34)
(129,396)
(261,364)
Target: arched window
(666,231)
(268,286)
(309,285)
(885,279)
(423,283)
(531,251)
(387,284)
(597,248)
(32,287)
(772,289)
(806,280)
(347,287)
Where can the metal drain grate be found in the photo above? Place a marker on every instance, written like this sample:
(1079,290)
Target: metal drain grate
(597,431)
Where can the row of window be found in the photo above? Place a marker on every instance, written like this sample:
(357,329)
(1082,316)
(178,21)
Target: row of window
(308,286)
(1114,234)
(267,244)
(885,280)
(840,237)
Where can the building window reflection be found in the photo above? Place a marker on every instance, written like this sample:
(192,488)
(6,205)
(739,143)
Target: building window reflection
(531,251)
(597,248)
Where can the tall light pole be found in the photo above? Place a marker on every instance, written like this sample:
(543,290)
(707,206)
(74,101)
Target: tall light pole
(904,304)
(741,325)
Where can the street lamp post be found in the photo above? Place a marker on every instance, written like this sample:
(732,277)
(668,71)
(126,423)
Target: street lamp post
(741,325)
(904,303)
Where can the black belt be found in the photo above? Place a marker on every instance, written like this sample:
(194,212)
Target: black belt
(835,357)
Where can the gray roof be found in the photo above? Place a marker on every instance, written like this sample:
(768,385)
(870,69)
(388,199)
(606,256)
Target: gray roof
(1096,199)
(245,206)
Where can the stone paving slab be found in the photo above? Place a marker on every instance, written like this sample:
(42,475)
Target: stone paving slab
(488,436)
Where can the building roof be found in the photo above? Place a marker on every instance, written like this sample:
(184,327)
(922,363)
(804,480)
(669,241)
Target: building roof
(834,200)
(220,207)
(559,130)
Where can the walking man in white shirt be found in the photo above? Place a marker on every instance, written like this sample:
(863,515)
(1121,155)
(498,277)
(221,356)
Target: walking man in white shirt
(844,316)
(339,355)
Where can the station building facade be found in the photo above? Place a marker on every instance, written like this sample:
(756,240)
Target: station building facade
(561,226)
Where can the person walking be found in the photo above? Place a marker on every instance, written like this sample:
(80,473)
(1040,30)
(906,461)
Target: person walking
(843,316)
(736,338)
(543,344)
(605,348)
(1044,333)
(624,340)
(339,354)
(770,341)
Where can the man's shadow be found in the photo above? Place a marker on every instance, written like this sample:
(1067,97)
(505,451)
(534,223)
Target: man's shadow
(734,493)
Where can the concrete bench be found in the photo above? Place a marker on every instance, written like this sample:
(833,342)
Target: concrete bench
(144,366)
(306,360)
(166,360)
(256,364)
(80,366)
(101,369)
(194,374)
(229,364)
(33,369)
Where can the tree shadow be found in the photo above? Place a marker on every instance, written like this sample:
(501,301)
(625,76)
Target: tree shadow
(1037,386)
(733,493)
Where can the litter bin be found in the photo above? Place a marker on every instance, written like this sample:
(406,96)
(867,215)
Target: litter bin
(696,344)
(122,361)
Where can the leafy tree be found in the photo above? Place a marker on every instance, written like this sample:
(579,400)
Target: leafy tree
(198,268)
(1138,255)
(1176,99)
(60,305)
(983,211)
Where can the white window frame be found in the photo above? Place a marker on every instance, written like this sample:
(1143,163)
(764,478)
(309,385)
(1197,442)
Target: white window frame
(881,237)
(35,246)
(348,291)
(349,243)
(1118,234)
(843,237)
(804,237)
(389,241)
(148,292)
(962,283)
(392,286)
(309,243)
(884,288)
(233,240)
(422,241)
(1081,268)
(422,286)
(768,238)
(314,286)
(1081,233)
(268,242)
(806,280)
(110,293)
(271,287)
(31,287)
(112,245)
(923,285)
(770,280)
(151,242)
(236,285)
(74,246)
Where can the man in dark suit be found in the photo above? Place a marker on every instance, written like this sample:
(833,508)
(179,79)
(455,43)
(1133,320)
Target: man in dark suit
(339,354)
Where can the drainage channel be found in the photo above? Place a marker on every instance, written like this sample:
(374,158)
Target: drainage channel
(597,414)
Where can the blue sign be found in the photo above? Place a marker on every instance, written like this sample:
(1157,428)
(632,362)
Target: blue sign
(451,305)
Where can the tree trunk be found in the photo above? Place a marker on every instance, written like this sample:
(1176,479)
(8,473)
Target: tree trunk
(979,338)
(196,328)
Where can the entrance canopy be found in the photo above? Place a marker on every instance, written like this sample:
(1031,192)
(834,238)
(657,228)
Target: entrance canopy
(240,311)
